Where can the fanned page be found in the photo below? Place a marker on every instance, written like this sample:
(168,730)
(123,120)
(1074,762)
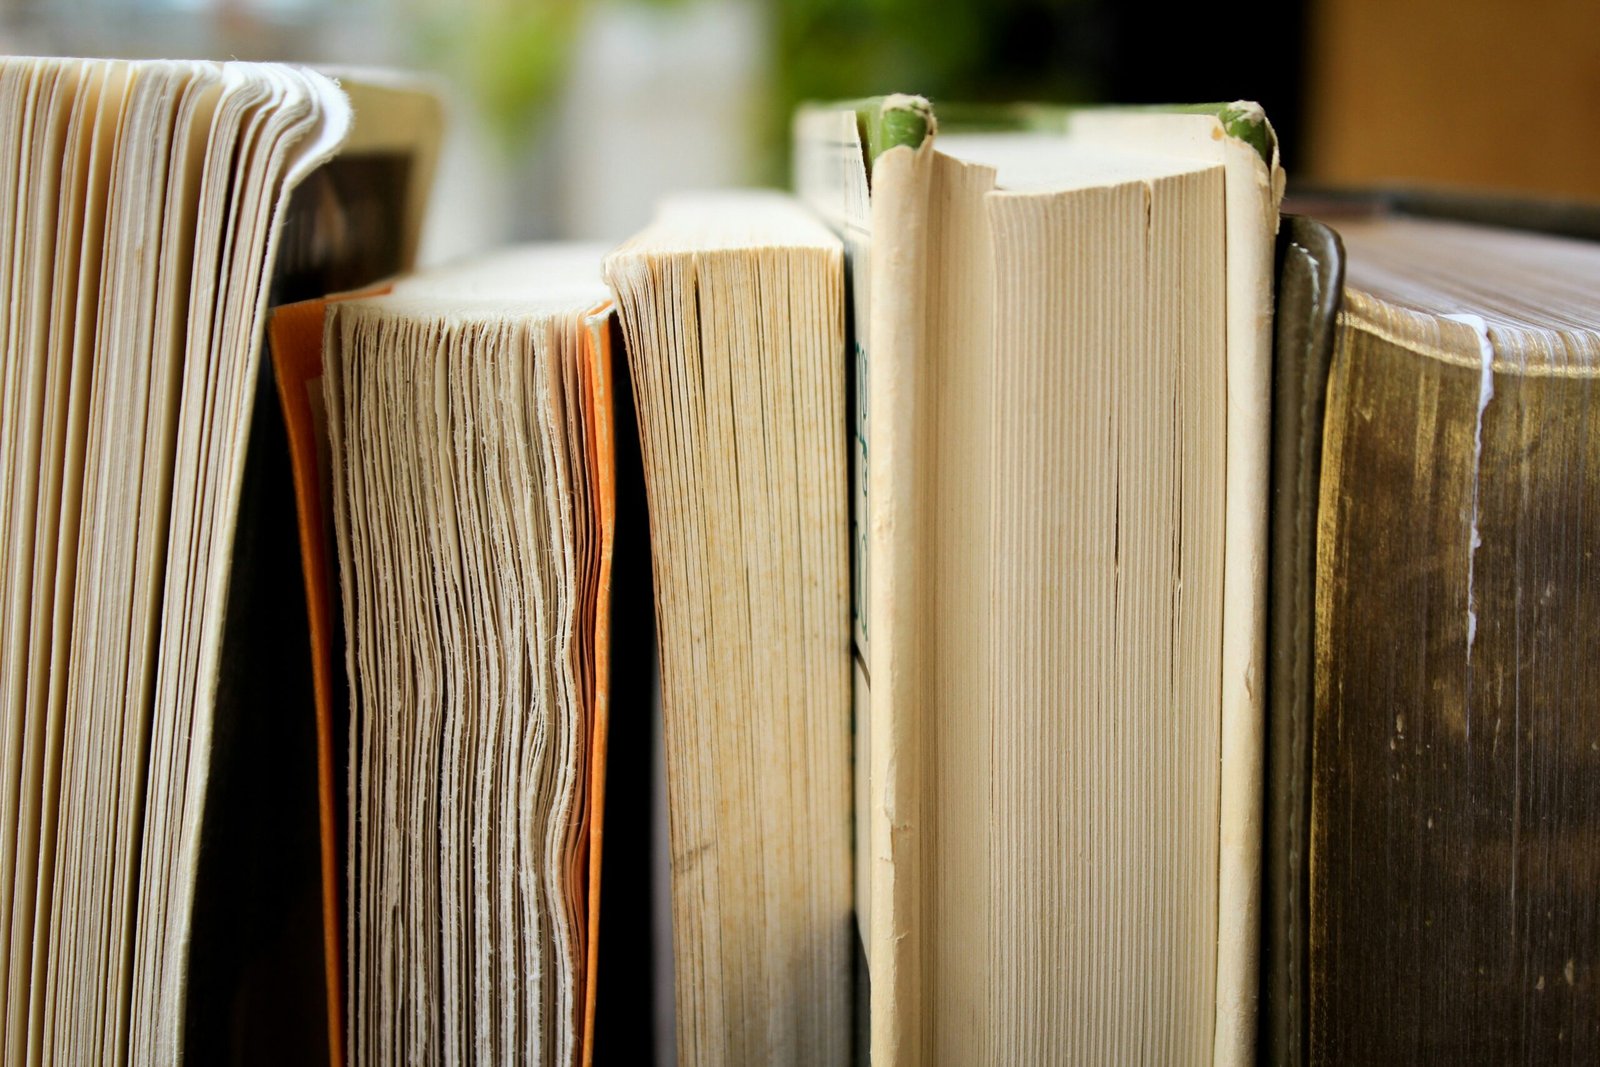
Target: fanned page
(139,202)
(472,512)
(253,959)
(1454,914)
(732,307)
(1065,405)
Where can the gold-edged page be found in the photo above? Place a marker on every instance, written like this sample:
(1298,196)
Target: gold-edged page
(1455,548)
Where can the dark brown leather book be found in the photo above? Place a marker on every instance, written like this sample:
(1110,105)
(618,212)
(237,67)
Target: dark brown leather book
(1433,885)
(1310,277)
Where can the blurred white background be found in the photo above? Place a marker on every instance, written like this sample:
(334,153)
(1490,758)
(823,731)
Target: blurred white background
(565,119)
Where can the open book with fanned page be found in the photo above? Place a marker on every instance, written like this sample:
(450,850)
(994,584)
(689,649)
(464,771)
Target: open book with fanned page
(159,874)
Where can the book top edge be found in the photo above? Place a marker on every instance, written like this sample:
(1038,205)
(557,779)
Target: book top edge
(899,119)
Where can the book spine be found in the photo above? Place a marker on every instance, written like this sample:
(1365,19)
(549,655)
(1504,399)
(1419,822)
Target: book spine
(1310,284)
(1252,191)
(897,400)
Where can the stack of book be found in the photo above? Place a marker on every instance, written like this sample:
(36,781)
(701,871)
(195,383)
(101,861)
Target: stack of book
(1097,616)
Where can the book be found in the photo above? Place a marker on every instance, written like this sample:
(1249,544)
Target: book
(1060,331)
(470,435)
(1432,765)
(1094,620)
(471,442)
(732,308)
(145,206)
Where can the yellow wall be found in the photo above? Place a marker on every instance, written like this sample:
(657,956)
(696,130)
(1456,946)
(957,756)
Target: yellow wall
(1490,94)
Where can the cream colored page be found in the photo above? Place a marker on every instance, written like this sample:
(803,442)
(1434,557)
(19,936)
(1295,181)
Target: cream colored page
(111,655)
(1006,894)
(72,344)
(736,353)
(916,742)
(456,467)
(961,362)
(180,175)
(64,211)
(303,121)
(982,327)
(28,201)
(19,90)
(25,422)
(557,417)
(1108,468)
(1254,187)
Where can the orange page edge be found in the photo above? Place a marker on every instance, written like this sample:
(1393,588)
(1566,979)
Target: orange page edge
(597,364)
(295,337)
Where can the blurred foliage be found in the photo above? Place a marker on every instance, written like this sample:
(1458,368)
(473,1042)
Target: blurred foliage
(976,51)
(510,55)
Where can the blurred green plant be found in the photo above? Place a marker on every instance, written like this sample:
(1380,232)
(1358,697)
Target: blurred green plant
(972,51)
(513,55)
(510,55)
